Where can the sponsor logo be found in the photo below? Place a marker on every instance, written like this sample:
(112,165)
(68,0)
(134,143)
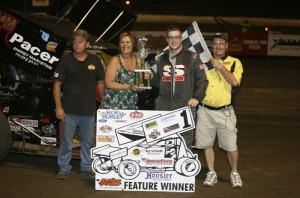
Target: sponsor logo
(285,42)
(154,134)
(109,182)
(121,121)
(168,118)
(179,72)
(136,114)
(29,123)
(154,151)
(156,162)
(35,51)
(91,67)
(105,129)
(136,152)
(151,125)
(106,138)
(158,176)
(113,115)
(171,128)
(51,46)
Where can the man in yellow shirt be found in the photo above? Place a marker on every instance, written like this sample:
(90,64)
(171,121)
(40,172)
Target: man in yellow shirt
(215,115)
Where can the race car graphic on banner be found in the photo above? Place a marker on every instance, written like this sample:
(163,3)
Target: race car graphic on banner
(144,151)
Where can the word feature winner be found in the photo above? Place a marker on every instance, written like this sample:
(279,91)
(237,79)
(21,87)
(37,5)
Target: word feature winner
(155,186)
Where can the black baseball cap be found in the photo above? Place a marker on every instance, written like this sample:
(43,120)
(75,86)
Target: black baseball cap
(219,35)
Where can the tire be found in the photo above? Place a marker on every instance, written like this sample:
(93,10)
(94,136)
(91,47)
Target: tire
(5,137)
(187,166)
(129,169)
(97,165)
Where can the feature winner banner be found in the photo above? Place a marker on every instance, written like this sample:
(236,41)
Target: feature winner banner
(27,45)
(144,151)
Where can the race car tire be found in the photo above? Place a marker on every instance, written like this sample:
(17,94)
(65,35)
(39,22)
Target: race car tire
(129,169)
(187,166)
(99,165)
(5,137)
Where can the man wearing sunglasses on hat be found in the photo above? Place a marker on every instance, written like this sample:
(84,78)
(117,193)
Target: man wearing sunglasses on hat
(215,115)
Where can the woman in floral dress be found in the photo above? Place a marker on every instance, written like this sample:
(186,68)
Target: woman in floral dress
(121,92)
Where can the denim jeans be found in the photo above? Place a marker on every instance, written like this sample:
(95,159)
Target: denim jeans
(86,125)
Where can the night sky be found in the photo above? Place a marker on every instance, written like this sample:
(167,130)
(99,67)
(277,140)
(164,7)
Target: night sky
(288,9)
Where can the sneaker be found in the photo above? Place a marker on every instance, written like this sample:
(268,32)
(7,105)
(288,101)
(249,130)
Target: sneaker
(211,179)
(235,180)
(89,173)
(62,175)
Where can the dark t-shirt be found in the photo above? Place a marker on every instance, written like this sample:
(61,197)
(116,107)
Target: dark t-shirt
(79,80)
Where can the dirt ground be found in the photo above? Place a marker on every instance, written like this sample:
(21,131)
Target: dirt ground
(268,110)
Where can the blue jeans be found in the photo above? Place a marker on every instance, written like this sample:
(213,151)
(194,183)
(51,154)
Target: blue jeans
(86,125)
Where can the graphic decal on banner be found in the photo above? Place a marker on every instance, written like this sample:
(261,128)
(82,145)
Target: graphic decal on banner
(144,151)
(130,133)
(167,125)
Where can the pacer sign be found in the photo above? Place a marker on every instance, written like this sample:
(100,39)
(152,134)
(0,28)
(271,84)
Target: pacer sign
(144,151)
(27,45)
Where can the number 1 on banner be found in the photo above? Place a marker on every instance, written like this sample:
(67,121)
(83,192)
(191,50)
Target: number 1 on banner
(185,119)
(177,121)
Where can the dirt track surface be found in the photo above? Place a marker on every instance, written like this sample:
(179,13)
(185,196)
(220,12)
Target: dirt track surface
(268,110)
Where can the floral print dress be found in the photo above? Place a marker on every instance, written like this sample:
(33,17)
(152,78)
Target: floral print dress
(122,99)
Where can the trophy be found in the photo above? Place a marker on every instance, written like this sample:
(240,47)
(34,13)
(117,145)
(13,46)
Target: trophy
(139,78)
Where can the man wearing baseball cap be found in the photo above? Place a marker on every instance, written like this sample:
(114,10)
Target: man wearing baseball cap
(215,115)
(219,35)
(75,78)
(81,33)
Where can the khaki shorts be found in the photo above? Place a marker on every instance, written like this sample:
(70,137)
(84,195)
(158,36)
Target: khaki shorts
(212,123)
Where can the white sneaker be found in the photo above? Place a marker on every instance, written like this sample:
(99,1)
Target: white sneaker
(211,179)
(235,180)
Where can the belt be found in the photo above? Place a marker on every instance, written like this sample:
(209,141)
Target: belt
(215,108)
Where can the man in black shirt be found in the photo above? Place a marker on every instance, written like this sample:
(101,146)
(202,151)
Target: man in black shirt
(75,79)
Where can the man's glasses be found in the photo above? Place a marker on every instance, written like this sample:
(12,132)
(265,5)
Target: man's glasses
(176,38)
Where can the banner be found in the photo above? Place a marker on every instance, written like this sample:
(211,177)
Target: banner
(144,151)
(283,45)
(251,44)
